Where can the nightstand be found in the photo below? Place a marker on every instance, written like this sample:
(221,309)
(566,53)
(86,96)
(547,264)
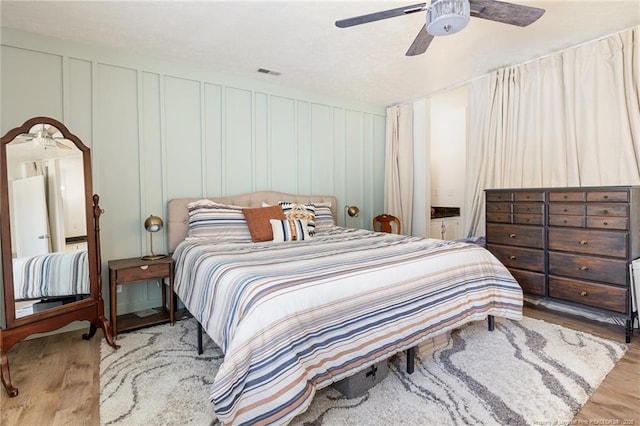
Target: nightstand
(134,270)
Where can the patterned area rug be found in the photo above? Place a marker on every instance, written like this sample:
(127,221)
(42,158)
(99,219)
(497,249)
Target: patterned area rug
(527,372)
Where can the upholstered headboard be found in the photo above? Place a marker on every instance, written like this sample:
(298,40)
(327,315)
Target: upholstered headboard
(178,216)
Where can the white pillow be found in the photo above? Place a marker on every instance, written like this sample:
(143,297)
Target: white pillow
(290,229)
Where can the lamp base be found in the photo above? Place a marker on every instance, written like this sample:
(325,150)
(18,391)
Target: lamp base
(154,256)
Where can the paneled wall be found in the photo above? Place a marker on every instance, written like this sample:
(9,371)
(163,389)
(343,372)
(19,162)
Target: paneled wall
(159,131)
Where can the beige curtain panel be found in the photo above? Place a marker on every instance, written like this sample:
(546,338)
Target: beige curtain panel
(398,180)
(569,119)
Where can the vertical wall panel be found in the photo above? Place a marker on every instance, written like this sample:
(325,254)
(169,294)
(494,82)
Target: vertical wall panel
(322,167)
(31,86)
(238,141)
(182,136)
(80,112)
(261,171)
(115,158)
(339,159)
(354,171)
(304,147)
(213,139)
(284,154)
(377,161)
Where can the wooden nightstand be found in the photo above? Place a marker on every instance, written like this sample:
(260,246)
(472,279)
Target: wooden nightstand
(128,271)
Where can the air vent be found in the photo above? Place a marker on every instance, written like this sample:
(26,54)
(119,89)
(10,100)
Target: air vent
(270,72)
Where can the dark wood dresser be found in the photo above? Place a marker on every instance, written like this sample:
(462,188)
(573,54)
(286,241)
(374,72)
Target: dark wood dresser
(570,245)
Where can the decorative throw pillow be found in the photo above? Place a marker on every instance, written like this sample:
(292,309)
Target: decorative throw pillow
(258,221)
(290,229)
(208,219)
(300,211)
(324,217)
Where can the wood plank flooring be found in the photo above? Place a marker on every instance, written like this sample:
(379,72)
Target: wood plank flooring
(58,379)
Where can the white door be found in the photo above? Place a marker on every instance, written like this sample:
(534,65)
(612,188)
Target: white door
(29,224)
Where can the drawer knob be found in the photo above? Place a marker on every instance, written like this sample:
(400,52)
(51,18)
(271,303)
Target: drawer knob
(583,242)
(144,267)
(605,223)
(566,210)
(583,293)
(512,257)
(583,268)
(512,235)
(606,196)
(606,212)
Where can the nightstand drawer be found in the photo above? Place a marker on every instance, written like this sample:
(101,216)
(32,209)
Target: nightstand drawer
(143,272)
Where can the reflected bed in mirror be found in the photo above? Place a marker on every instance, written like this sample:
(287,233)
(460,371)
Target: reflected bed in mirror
(46,203)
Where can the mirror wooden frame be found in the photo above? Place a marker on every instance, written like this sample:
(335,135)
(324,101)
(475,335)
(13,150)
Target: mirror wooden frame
(91,309)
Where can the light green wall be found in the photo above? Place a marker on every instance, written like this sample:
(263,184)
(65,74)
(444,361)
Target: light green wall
(159,130)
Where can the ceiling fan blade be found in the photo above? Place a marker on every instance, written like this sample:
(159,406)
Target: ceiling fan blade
(420,43)
(377,16)
(507,13)
(62,144)
(51,130)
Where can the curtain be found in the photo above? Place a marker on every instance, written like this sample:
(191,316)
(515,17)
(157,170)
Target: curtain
(398,179)
(569,119)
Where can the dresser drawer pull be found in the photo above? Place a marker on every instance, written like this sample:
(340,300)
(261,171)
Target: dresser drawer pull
(605,223)
(512,235)
(144,267)
(584,268)
(583,293)
(583,242)
(512,257)
(605,197)
(606,212)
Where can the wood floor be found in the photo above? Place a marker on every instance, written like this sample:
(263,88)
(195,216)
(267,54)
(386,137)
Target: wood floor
(58,379)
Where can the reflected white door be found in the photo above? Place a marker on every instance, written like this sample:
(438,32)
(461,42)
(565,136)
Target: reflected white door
(29,225)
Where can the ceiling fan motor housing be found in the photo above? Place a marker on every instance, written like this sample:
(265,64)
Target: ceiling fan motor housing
(446,17)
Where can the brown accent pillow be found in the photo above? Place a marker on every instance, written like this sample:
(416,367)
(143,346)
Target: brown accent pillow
(258,221)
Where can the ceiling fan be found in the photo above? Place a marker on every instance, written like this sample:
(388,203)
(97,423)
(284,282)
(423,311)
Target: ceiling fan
(445,17)
(43,136)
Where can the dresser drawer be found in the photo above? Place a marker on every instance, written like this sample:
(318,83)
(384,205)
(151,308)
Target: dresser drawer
(620,210)
(531,282)
(619,223)
(567,196)
(588,268)
(528,219)
(597,295)
(528,196)
(608,196)
(516,235)
(499,196)
(144,272)
(499,217)
(568,209)
(498,207)
(565,220)
(517,257)
(608,243)
(531,208)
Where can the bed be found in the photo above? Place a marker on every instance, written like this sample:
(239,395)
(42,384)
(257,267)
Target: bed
(51,275)
(292,317)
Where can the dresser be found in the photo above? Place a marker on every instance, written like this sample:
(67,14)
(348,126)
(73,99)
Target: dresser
(569,245)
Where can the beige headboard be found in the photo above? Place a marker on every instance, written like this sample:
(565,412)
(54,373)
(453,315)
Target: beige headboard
(178,217)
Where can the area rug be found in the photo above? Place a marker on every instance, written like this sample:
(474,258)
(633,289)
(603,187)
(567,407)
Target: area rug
(527,372)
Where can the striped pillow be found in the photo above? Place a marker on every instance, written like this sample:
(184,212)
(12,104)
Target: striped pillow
(324,217)
(290,230)
(300,211)
(208,219)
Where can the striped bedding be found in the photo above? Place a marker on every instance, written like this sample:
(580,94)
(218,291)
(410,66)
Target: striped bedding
(49,275)
(293,317)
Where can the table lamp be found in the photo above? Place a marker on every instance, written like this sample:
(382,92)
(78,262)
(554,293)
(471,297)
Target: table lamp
(153,224)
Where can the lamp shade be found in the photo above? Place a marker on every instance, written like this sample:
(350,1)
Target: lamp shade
(353,211)
(153,224)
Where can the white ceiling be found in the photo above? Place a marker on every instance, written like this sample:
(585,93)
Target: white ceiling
(299,39)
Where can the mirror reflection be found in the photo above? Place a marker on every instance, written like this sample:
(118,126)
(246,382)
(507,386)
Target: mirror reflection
(48,220)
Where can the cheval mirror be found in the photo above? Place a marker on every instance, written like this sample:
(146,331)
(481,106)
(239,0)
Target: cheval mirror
(50,236)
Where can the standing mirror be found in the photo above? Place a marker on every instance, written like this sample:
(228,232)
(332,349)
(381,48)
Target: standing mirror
(49,231)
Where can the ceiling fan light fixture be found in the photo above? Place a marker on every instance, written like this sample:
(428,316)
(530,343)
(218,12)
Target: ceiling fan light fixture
(446,17)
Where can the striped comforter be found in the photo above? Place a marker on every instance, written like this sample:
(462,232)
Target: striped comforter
(49,275)
(293,317)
